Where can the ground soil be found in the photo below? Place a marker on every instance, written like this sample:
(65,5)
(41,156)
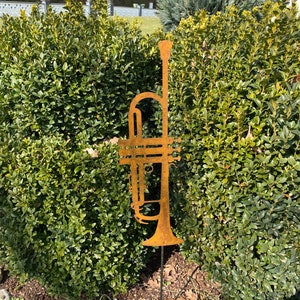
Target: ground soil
(181,280)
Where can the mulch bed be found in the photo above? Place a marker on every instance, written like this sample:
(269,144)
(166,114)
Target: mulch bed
(182,280)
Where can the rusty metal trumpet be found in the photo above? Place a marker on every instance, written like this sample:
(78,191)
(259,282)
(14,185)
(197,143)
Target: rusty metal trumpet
(138,151)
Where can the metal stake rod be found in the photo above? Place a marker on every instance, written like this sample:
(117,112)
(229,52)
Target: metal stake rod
(161,271)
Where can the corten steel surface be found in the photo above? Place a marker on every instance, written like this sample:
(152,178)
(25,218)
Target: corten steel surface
(139,152)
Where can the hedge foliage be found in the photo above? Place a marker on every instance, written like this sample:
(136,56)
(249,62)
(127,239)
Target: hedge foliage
(235,100)
(72,74)
(66,220)
(66,82)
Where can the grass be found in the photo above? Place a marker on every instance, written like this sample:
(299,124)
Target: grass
(148,25)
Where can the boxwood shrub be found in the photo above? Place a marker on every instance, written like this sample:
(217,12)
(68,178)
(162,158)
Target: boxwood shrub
(235,100)
(66,82)
(66,218)
(72,74)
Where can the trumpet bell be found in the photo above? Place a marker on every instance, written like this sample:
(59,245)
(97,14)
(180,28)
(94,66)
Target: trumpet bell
(163,235)
(162,239)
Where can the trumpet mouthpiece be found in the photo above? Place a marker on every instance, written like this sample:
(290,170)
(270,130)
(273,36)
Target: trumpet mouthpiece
(165,49)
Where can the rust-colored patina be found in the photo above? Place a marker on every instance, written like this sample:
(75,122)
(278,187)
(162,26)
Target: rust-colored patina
(139,151)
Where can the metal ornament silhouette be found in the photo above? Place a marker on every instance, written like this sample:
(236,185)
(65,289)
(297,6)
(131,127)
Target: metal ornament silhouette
(138,152)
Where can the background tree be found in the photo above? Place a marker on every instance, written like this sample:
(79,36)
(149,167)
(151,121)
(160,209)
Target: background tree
(171,12)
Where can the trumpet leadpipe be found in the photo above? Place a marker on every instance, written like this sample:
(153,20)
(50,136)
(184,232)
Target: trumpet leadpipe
(148,160)
(149,150)
(138,141)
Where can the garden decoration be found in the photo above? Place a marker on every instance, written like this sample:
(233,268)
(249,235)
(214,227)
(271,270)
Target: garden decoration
(139,152)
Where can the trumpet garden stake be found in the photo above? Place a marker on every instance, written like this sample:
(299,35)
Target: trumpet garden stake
(139,151)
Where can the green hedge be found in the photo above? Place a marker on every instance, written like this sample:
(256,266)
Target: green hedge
(66,219)
(66,82)
(235,99)
(72,74)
